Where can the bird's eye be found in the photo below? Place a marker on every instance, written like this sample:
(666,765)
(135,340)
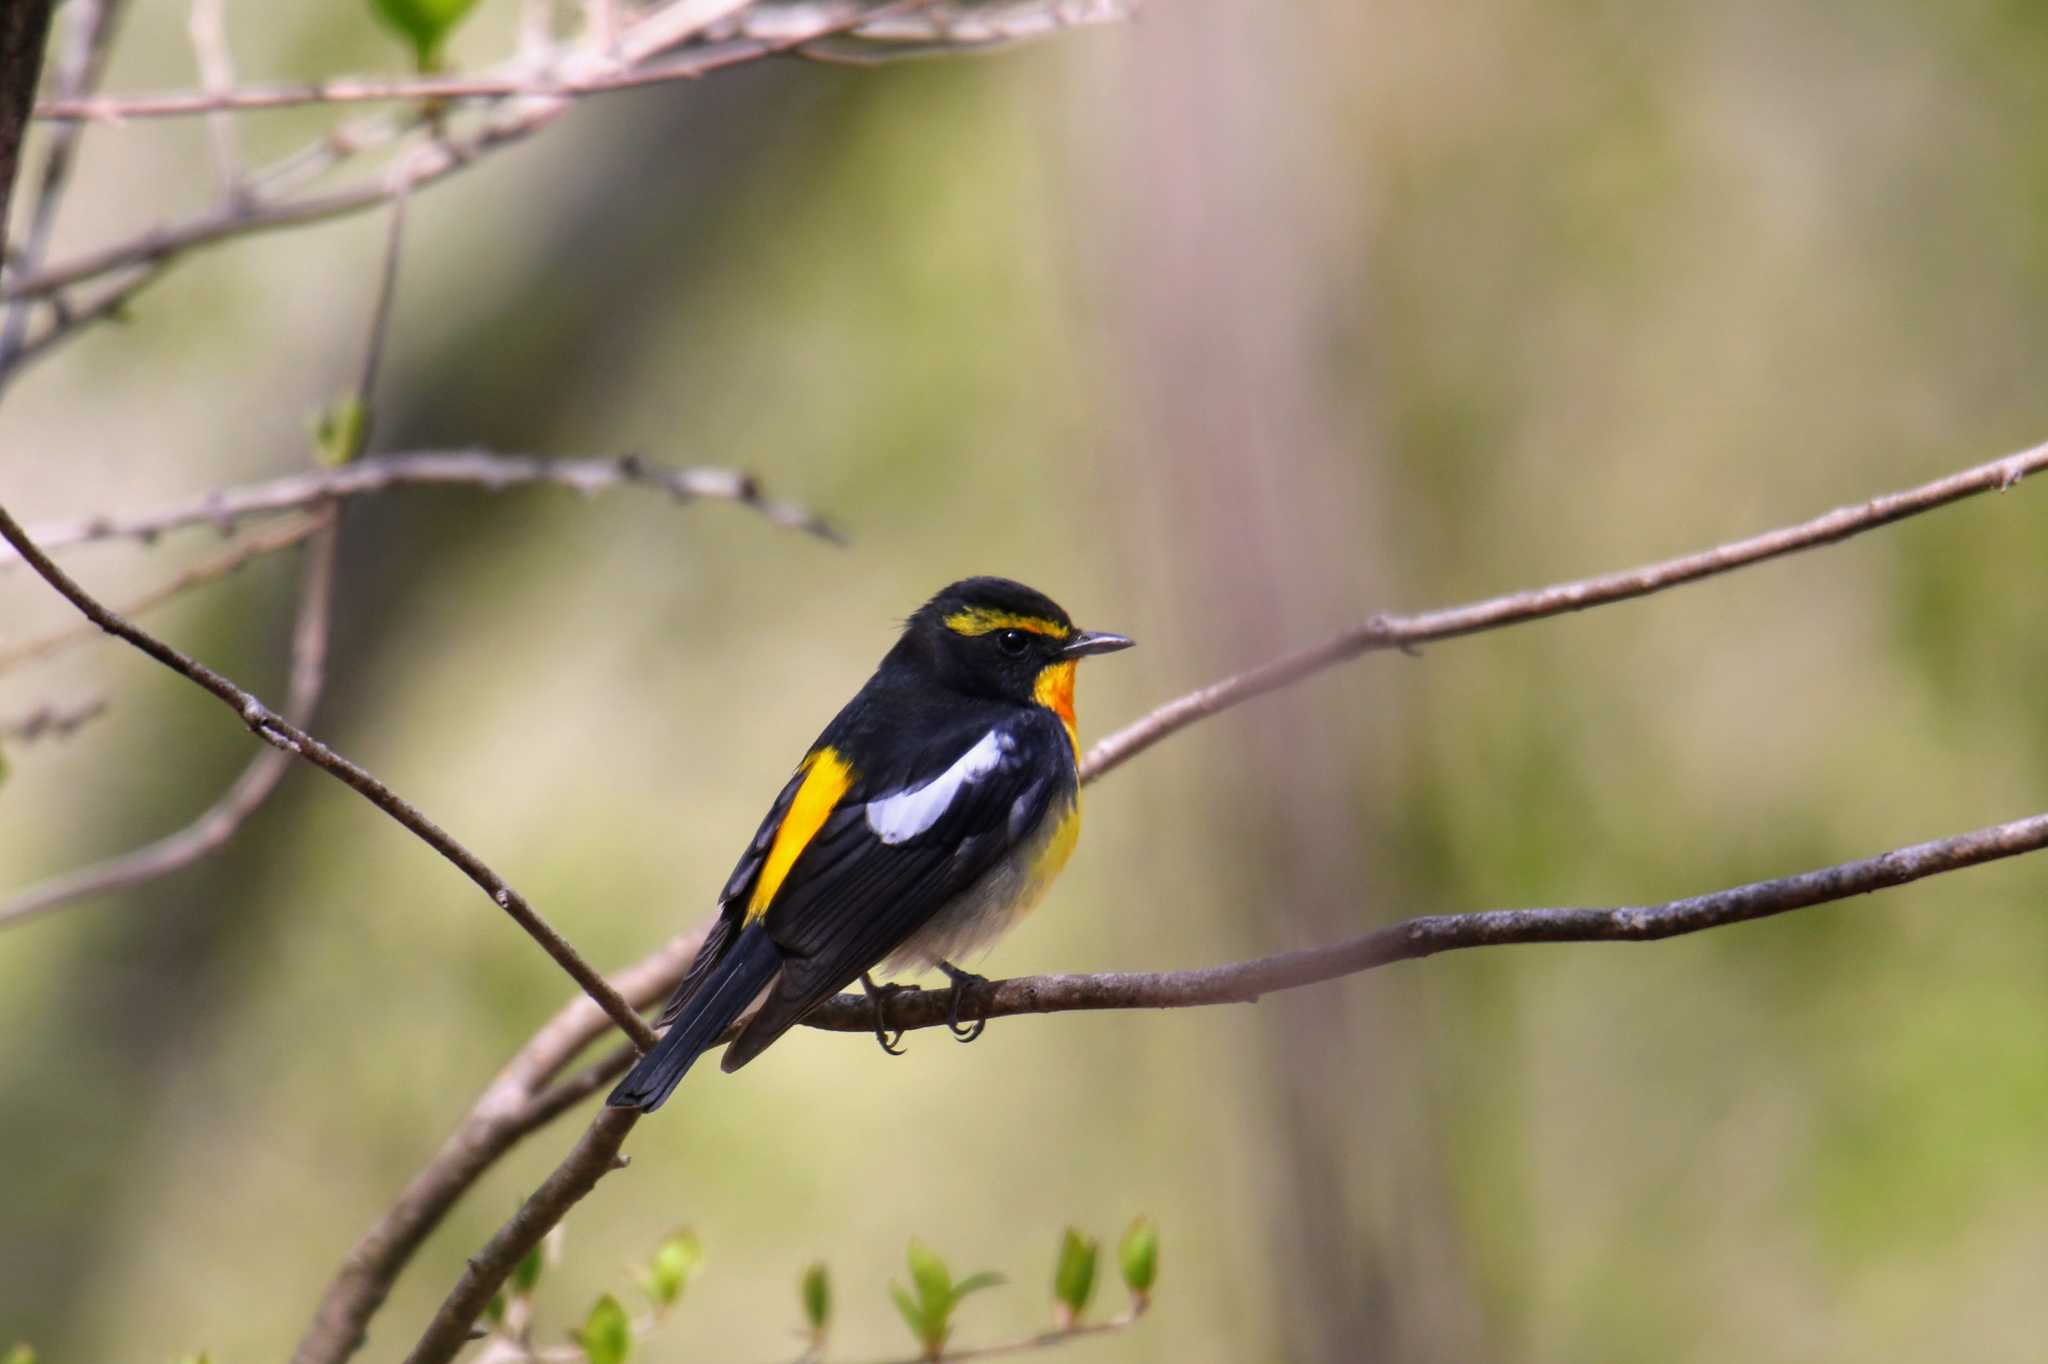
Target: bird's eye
(1013,642)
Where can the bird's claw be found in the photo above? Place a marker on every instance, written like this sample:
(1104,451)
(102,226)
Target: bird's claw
(962,982)
(878,998)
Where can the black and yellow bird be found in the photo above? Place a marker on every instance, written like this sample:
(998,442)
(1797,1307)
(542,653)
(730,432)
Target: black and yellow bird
(930,815)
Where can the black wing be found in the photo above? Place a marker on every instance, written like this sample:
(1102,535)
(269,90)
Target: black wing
(888,859)
(732,901)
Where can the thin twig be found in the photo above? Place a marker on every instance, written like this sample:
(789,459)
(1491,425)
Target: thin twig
(52,719)
(212,830)
(595,1155)
(208,31)
(536,32)
(90,32)
(1043,1340)
(380,314)
(273,729)
(762,31)
(1245,981)
(109,305)
(1384,632)
(470,468)
(527,111)
(259,543)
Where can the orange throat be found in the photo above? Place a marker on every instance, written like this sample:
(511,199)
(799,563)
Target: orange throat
(1055,691)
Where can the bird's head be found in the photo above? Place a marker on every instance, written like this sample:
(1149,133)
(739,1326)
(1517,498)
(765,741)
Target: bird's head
(998,639)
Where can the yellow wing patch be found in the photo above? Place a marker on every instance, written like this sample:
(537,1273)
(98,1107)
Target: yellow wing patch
(826,779)
(977,620)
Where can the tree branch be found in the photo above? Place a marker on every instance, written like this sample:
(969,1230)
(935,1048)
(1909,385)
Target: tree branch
(1245,981)
(268,541)
(777,27)
(1384,632)
(24,25)
(51,719)
(281,733)
(468,468)
(92,25)
(517,1101)
(1043,1340)
(521,116)
(595,1155)
(211,830)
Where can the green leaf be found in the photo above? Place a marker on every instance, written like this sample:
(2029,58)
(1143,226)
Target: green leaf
(934,1283)
(339,430)
(817,1295)
(22,1353)
(913,1313)
(668,1274)
(607,1334)
(200,1358)
(974,1283)
(494,1310)
(1073,1277)
(1138,1256)
(427,23)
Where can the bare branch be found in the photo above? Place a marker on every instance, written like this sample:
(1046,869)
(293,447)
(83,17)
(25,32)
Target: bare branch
(526,111)
(1044,1340)
(91,30)
(595,1155)
(517,1101)
(381,310)
(1243,982)
(471,468)
(208,30)
(1384,632)
(732,38)
(273,729)
(68,317)
(212,830)
(258,544)
(23,26)
(51,719)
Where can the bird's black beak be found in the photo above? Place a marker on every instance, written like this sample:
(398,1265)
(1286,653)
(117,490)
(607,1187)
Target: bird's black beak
(1094,642)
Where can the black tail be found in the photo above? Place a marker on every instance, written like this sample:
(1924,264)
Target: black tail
(724,996)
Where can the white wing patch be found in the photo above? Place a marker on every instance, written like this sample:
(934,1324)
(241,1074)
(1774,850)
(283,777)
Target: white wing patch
(902,816)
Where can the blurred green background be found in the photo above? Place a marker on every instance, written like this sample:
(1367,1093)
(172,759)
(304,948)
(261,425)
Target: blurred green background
(1225,328)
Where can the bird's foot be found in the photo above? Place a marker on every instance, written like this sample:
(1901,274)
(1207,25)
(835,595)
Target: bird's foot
(962,981)
(879,997)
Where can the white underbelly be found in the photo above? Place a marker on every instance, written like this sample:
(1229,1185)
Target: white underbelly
(969,924)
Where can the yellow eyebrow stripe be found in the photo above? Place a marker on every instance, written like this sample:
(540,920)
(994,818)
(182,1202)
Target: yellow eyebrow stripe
(826,779)
(977,620)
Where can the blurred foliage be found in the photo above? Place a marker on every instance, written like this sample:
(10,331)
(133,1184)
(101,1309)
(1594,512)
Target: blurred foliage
(928,1304)
(1226,330)
(815,1290)
(1137,1256)
(606,1336)
(426,24)
(1073,1276)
